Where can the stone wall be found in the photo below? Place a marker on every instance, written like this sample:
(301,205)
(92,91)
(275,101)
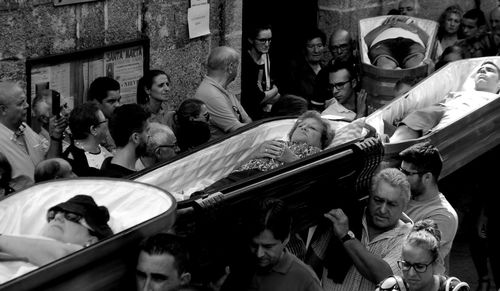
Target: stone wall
(35,28)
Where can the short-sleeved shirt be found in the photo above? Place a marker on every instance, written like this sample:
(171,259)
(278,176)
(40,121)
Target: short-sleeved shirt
(226,112)
(387,245)
(289,274)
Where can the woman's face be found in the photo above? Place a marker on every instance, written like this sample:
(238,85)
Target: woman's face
(452,23)
(415,255)
(160,87)
(309,131)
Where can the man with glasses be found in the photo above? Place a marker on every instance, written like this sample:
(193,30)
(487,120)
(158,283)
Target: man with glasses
(422,164)
(89,128)
(341,46)
(375,251)
(225,111)
(337,93)
(129,127)
(161,146)
(71,226)
(258,90)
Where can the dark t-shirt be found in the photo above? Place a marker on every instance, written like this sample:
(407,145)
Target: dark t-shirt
(109,169)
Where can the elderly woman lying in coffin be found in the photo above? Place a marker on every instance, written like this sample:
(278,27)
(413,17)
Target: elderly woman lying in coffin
(310,134)
(421,121)
(71,226)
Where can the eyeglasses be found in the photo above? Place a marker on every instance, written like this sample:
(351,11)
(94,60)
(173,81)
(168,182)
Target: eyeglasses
(69,216)
(338,86)
(342,47)
(409,173)
(174,145)
(418,267)
(263,40)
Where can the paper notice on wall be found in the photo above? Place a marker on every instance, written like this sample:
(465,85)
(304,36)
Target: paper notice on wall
(125,66)
(60,79)
(198,2)
(199,20)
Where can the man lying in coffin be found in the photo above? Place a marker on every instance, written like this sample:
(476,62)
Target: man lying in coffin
(71,226)
(421,121)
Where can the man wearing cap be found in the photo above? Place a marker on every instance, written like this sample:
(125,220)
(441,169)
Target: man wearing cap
(71,225)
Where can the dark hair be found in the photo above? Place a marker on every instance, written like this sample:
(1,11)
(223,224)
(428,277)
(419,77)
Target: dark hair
(81,118)
(6,170)
(336,66)
(270,214)
(146,81)
(99,88)
(289,105)
(167,243)
(425,234)
(425,157)
(47,170)
(393,12)
(126,120)
(452,9)
(188,108)
(313,33)
(452,49)
(477,15)
(258,27)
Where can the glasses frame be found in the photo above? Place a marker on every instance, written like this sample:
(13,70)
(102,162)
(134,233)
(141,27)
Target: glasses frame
(264,40)
(70,216)
(424,266)
(343,47)
(338,86)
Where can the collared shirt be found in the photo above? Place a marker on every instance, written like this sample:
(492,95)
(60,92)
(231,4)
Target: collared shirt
(387,245)
(226,112)
(335,108)
(289,274)
(23,151)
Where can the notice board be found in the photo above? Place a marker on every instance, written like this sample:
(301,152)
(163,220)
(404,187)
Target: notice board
(70,74)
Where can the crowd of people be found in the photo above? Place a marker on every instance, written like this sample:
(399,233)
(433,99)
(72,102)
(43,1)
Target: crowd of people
(405,231)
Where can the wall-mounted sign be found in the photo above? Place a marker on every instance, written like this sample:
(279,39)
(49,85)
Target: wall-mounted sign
(67,2)
(199,20)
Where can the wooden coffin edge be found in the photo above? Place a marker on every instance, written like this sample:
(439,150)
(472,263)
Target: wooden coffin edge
(109,269)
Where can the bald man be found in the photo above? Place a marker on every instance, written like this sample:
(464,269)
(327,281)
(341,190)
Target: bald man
(340,46)
(226,112)
(161,146)
(21,145)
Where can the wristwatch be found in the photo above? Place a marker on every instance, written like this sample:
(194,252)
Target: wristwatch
(350,235)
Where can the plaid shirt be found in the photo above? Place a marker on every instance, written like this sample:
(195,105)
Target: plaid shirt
(387,245)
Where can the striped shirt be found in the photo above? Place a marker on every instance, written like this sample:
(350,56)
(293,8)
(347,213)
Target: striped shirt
(387,245)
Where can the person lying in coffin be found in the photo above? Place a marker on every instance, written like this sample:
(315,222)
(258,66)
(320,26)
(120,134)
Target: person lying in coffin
(309,135)
(71,226)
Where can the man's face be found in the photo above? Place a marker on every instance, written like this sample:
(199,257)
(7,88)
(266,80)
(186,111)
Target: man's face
(60,228)
(340,86)
(157,273)
(414,178)
(407,7)
(469,27)
(109,103)
(266,249)
(262,43)
(314,50)
(42,112)
(14,108)
(340,47)
(487,78)
(385,206)
(142,145)
(495,21)
(101,127)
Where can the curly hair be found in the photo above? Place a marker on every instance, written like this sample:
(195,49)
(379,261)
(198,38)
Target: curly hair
(326,134)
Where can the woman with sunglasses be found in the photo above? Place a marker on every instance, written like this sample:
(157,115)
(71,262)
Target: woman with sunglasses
(71,226)
(421,264)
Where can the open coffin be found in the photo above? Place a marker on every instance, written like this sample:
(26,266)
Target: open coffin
(378,82)
(464,134)
(136,210)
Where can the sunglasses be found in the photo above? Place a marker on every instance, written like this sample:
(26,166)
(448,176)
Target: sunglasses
(69,216)
(263,40)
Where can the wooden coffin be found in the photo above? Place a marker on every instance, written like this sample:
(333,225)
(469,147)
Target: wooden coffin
(378,82)
(461,138)
(137,210)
